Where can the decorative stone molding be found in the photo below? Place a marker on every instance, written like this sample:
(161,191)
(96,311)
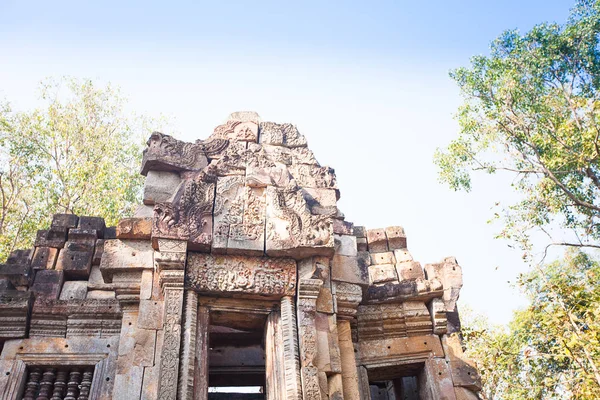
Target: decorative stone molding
(251,276)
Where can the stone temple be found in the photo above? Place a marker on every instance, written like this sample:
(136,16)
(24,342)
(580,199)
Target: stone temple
(238,278)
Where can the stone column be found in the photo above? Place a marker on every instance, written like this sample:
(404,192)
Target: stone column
(347,298)
(349,373)
(438,383)
(363,383)
(170,263)
(186,378)
(314,382)
(291,361)
(201,356)
(275,377)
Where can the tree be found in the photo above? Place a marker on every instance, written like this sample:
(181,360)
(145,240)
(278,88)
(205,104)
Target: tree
(78,153)
(551,349)
(532,107)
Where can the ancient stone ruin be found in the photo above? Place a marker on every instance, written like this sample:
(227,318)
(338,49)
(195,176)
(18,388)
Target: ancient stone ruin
(238,278)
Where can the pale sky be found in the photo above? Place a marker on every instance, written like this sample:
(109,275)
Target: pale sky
(366,83)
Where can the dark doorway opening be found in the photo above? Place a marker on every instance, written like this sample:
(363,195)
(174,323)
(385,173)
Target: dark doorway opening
(236,361)
(399,382)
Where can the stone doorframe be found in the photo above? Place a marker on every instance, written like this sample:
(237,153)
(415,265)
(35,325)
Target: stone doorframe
(282,361)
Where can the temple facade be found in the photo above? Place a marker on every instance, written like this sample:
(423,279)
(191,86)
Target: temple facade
(238,278)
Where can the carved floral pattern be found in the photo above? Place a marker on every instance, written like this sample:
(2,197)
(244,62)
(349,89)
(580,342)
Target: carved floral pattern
(237,274)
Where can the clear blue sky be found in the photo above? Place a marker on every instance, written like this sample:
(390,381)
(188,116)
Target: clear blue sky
(366,82)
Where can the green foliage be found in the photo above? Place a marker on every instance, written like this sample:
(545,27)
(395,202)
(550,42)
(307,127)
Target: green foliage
(78,153)
(551,349)
(532,107)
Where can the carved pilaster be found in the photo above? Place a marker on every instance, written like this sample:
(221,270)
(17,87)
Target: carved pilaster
(201,359)
(308,291)
(170,265)
(275,375)
(291,361)
(186,380)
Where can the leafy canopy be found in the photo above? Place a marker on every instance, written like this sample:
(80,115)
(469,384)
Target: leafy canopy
(551,349)
(532,107)
(78,153)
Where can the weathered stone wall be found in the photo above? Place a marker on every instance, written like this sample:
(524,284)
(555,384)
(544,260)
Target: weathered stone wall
(240,231)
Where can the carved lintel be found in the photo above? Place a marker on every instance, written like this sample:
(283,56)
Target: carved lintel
(247,276)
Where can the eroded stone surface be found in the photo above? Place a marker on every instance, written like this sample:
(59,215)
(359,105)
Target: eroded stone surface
(251,276)
(238,232)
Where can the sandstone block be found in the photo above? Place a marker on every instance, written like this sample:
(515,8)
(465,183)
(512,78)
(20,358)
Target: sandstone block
(125,256)
(341,227)
(98,251)
(160,186)
(5,285)
(128,385)
(48,284)
(135,228)
(345,245)
(64,221)
(361,244)
(383,258)
(402,255)
(95,276)
(382,273)
(449,273)
(14,310)
(74,290)
(92,223)
(349,269)
(151,314)
(396,237)
(409,270)
(76,260)
(144,211)
(377,241)
(47,238)
(281,135)
(325,301)
(321,200)
(83,235)
(165,153)
(100,294)
(17,268)
(110,232)
(44,258)
(315,268)
(359,231)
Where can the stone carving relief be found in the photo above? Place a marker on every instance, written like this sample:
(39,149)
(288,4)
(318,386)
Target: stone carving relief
(249,276)
(167,153)
(189,215)
(291,226)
